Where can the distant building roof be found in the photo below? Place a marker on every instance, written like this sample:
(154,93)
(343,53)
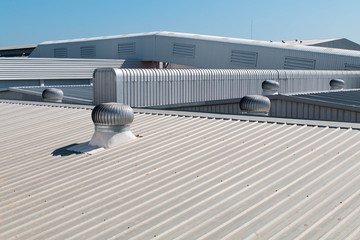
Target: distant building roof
(18,47)
(202,51)
(18,51)
(29,71)
(75,94)
(340,43)
(188,175)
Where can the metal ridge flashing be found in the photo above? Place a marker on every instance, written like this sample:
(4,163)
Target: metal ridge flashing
(215,116)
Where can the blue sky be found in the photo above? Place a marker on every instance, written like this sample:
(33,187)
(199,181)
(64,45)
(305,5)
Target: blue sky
(24,22)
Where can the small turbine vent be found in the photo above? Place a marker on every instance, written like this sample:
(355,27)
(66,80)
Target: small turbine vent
(255,104)
(336,84)
(112,124)
(112,114)
(52,95)
(270,87)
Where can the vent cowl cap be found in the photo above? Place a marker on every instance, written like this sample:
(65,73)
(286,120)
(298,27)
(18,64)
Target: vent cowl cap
(52,95)
(112,114)
(337,84)
(270,87)
(255,104)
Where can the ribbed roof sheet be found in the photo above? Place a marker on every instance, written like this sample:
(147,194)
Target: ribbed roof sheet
(55,68)
(187,176)
(72,93)
(349,97)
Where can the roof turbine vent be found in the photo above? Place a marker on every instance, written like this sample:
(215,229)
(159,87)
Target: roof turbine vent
(52,95)
(337,84)
(270,87)
(255,104)
(112,124)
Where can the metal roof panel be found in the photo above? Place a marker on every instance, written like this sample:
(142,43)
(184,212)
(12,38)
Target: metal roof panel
(188,176)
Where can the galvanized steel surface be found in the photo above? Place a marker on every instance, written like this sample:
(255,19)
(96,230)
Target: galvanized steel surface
(154,87)
(187,177)
(75,94)
(270,85)
(112,114)
(255,103)
(54,68)
(337,84)
(52,94)
(348,97)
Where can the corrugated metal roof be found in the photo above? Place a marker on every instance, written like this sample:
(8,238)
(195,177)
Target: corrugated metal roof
(55,68)
(340,43)
(308,42)
(189,176)
(349,97)
(78,94)
(18,47)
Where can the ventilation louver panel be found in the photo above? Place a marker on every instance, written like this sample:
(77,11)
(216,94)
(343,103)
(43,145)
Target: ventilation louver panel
(88,51)
(299,63)
(60,52)
(244,58)
(184,50)
(127,48)
(352,67)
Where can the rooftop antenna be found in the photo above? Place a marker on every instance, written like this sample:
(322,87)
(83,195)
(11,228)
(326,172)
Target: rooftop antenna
(251,29)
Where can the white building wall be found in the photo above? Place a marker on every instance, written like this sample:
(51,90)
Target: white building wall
(209,52)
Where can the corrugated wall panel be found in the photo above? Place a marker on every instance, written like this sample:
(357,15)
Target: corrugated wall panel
(289,109)
(176,86)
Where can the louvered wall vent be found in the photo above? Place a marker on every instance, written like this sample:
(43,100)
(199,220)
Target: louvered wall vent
(184,50)
(299,63)
(244,58)
(127,48)
(60,52)
(352,67)
(88,51)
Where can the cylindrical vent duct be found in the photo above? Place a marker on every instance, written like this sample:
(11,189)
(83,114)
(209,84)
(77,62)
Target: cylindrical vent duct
(112,116)
(270,87)
(52,95)
(336,84)
(255,104)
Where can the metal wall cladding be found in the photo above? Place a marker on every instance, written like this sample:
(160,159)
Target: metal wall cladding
(206,52)
(154,87)
(105,86)
(289,109)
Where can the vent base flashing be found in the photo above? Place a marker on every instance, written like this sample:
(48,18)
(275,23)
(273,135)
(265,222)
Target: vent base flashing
(110,139)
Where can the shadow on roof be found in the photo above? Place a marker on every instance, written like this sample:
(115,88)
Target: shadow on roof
(63,151)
